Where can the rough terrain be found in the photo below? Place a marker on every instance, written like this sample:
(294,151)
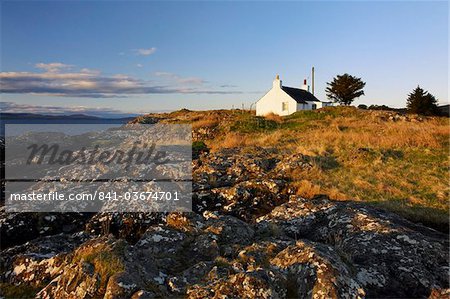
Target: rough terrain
(250,235)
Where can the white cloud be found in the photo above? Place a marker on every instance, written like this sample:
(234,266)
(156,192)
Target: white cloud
(90,71)
(52,67)
(145,52)
(91,83)
(179,79)
(139,65)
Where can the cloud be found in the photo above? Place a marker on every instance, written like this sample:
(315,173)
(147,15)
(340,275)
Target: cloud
(139,65)
(11,107)
(53,67)
(91,83)
(164,74)
(145,52)
(181,80)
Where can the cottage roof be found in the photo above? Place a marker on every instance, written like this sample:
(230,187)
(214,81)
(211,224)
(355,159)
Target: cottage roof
(299,95)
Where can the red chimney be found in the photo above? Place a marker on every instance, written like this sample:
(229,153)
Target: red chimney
(304,81)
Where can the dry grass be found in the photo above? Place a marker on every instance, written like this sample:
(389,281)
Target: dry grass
(363,133)
(236,139)
(361,155)
(105,258)
(306,189)
(178,221)
(231,140)
(274,117)
(207,122)
(402,166)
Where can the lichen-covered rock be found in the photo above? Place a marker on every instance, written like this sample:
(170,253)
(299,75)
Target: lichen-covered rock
(253,284)
(37,262)
(316,270)
(129,226)
(391,256)
(87,270)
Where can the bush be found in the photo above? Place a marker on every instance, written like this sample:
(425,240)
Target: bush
(198,147)
(362,106)
(381,107)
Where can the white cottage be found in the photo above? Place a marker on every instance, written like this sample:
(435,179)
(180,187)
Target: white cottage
(283,100)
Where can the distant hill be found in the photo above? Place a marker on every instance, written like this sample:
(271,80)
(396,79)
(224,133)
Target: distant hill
(5,116)
(31,118)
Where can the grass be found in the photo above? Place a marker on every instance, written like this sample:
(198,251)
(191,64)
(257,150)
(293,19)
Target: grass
(401,166)
(358,155)
(207,122)
(248,123)
(106,259)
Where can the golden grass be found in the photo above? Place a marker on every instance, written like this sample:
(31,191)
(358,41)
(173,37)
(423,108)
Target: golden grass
(306,189)
(178,221)
(363,133)
(105,258)
(402,166)
(236,139)
(207,122)
(274,117)
(361,155)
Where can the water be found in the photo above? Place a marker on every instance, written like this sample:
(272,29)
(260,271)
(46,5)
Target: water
(69,125)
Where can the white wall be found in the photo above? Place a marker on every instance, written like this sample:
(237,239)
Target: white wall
(273,102)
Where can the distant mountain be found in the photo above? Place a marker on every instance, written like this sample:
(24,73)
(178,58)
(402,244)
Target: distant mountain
(31,118)
(24,116)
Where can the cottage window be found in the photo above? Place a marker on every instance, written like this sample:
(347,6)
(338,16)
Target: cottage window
(284,106)
(314,106)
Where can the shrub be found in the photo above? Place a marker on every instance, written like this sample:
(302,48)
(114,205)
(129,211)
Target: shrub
(198,147)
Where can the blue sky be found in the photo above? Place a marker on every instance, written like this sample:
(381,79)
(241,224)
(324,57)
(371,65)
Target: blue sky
(146,56)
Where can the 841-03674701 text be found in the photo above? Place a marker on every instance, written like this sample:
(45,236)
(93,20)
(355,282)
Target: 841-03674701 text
(98,195)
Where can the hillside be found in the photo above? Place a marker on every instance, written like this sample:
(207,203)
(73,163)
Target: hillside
(394,161)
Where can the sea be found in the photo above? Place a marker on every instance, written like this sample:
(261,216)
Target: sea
(14,126)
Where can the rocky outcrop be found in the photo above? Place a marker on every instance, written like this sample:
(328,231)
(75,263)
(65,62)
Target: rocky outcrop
(302,248)
(248,237)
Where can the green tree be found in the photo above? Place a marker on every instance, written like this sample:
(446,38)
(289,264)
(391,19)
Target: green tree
(345,88)
(422,102)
